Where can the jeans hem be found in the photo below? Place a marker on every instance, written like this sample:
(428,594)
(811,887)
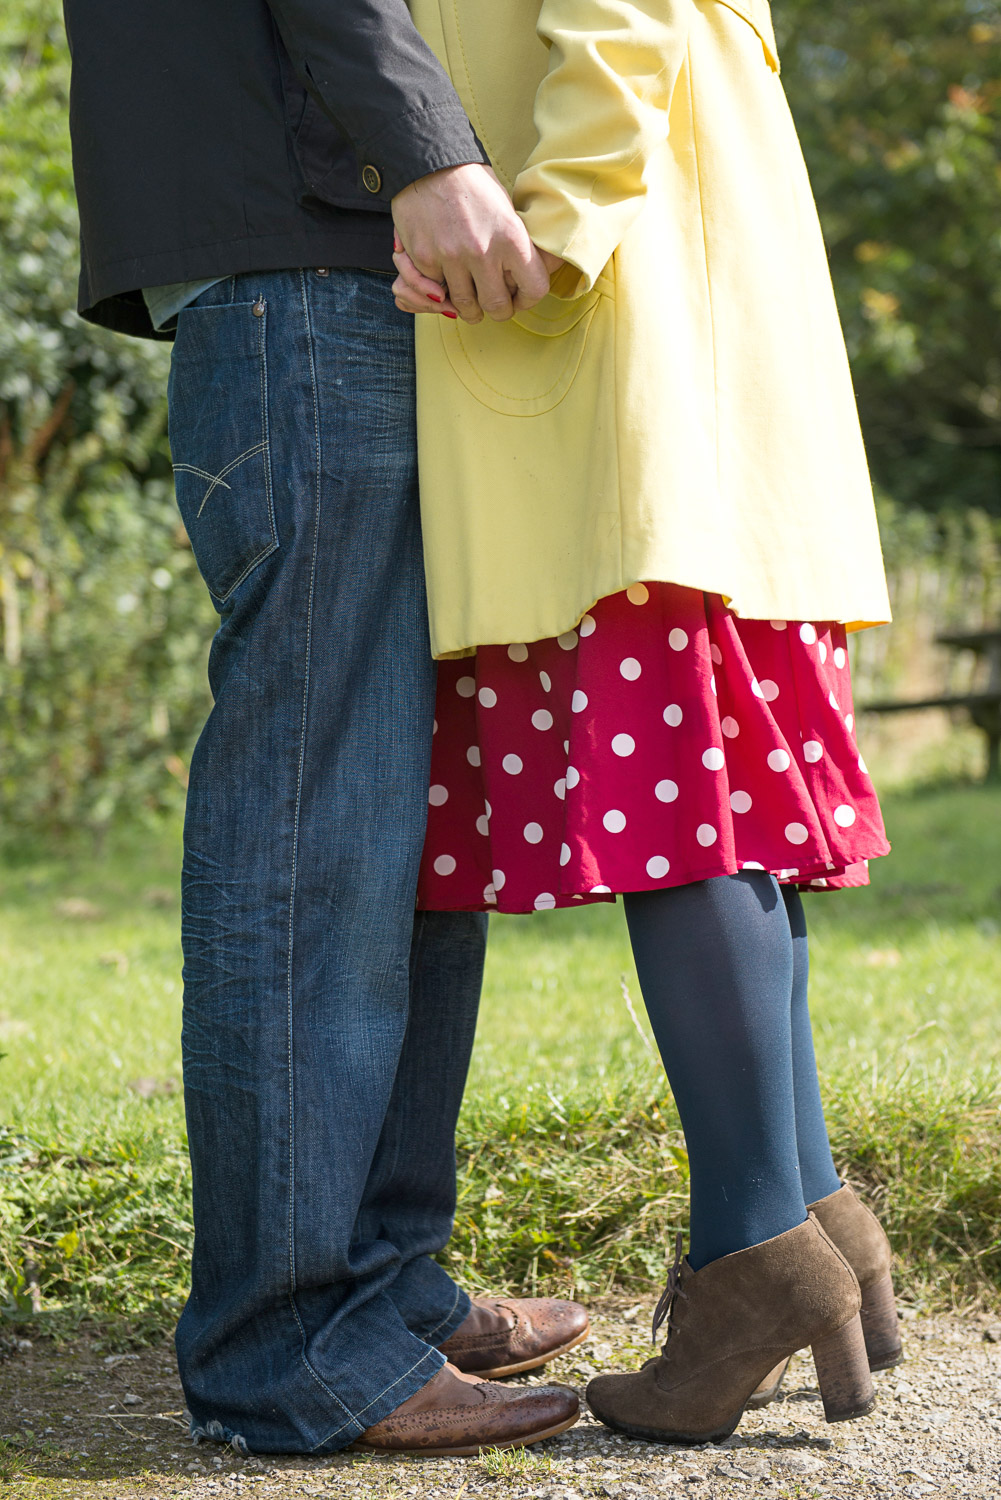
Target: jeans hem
(452,1320)
(383,1405)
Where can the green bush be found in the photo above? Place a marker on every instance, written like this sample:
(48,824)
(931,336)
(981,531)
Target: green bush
(104,617)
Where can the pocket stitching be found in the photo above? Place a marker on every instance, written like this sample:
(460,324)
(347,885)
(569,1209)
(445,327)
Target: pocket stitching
(217,479)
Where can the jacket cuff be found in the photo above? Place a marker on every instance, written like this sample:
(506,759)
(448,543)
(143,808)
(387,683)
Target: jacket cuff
(423,140)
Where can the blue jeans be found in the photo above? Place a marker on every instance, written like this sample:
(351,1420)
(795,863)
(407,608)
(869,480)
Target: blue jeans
(327,1029)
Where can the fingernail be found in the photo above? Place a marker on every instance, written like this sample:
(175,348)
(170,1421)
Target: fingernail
(433,298)
(449,315)
(397,244)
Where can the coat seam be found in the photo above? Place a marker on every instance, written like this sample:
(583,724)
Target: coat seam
(705,251)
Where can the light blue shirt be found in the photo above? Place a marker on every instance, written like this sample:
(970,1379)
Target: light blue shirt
(165,302)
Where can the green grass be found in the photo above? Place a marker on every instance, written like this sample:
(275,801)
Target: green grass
(573,1165)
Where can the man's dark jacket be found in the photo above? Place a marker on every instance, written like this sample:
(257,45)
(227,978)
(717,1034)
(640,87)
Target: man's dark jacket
(218,136)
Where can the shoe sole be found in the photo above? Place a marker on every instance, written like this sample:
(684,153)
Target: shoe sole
(528,1364)
(468,1450)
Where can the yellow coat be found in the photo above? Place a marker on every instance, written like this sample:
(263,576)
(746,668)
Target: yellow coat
(682,408)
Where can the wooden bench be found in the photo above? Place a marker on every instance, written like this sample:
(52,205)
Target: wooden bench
(983,705)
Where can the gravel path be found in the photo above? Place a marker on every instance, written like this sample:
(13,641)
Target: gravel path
(80,1422)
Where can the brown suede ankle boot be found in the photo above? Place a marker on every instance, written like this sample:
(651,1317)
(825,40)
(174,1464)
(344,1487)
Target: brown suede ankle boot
(729,1324)
(859,1236)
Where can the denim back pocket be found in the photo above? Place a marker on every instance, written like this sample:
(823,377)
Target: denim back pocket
(218,422)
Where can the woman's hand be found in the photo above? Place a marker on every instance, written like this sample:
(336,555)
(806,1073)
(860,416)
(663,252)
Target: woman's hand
(416,293)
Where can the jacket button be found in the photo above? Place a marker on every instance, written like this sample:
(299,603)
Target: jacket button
(372,178)
(258,308)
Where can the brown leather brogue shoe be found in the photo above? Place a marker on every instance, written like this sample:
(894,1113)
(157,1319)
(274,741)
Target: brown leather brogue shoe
(730,1323)
(520,1333)
(861,1239)
(458,1416)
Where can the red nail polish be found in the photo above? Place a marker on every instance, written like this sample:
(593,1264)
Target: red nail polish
(397,244)
(433,298)
(449,315)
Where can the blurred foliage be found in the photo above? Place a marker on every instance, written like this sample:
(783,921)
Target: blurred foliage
(898,104)
(103,621)
(103,616)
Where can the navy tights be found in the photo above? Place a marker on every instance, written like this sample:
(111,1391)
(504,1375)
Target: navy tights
(723,969)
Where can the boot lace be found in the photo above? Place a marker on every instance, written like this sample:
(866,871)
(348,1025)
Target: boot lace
(664,1310)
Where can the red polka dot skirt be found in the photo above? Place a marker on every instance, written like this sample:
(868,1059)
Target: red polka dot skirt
(662,741)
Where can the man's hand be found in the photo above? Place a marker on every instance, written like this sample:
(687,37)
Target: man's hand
(469,249)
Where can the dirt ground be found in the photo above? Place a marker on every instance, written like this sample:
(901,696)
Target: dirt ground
(77,1421)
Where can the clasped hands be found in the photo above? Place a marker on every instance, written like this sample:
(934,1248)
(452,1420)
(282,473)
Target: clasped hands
(461,250)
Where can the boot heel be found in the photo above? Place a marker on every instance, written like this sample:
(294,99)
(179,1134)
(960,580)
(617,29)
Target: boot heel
(881,1326)
(843,1373)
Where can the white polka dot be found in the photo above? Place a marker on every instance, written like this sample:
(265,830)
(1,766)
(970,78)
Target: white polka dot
(564,854)
(716,654)
(545,902)
(658,867)
(630,668)
(490,895)
(483,825)
(623,744)
(518,652)
(849,722)
(756,688)
(844,815)
(822,651)
(473,755)
(466,687)
(499,879)
(678,639)
(706,834)
(673,715)
(776,625)
(740,802)
(546,680)
(786,874)
(730,727)
(834,703)
(578,702)
(566,747)
(778,760)
(601,890)
(839,657)
(808,635)
(769,689)
(796,833)
(573,776)
(614,820)
(587,626)
(751,864)
(560,788)
(567,641)
(434,729)
(444,864)
(438,796)
(488,808)
(713,759)
(542,719)
(533,833)
(487,697)
(637,593)
(813,751)
(712,684)
(666,791)
(862,766)
(512,764)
